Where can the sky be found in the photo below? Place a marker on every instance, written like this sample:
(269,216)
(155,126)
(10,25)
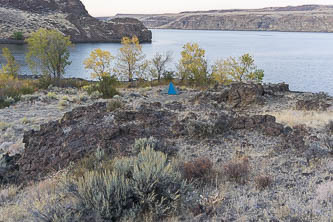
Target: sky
(112,7)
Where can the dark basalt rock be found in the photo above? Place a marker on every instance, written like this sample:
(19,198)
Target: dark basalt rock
(69,17)
(8,169)
(83,130)
(266,123)
(241,94)
(236,95)
(312,104)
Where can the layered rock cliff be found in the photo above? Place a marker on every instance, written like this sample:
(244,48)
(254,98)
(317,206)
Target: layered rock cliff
(306,18)
(69,17)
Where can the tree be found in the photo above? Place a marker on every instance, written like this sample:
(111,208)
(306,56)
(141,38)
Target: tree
(220,72)
(242,69)
(11,67)
(130,58)
(48,53)
(100,63)
(159,63)
(193,64)
(18,36)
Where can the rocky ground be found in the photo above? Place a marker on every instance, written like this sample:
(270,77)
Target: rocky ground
(282,134)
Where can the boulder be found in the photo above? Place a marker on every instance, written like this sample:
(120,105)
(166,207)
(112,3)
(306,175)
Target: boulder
(242,94)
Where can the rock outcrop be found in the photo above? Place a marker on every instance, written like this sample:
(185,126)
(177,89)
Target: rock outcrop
(69,17)
(306,18)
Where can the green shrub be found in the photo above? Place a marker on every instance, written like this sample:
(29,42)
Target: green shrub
(18,36)
(132,187)
(107,87)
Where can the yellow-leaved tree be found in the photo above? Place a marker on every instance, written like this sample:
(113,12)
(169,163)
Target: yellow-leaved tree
(11,67)
(48,53)
(220,72)
(130,60)
(240,69)
(100,62)
(193,64)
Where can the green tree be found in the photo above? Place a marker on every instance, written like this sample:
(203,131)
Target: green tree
(48,53)
(158,65)
(193,64)
(18,36)
(130,58)
(241,69)
(11,67)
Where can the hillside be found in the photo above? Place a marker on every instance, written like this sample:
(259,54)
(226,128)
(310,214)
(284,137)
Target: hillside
(306,18)
(69,17)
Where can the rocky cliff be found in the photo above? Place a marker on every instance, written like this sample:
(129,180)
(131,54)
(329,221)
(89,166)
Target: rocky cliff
(69,17)
(306,18)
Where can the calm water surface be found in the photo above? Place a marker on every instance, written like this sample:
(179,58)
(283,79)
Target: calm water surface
(303,60)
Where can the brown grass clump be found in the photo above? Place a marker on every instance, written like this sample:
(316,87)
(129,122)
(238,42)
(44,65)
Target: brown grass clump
(199,170)
(238,170)
(315,119)
(263,182)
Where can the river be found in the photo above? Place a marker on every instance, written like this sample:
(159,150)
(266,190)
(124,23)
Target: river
(303,60)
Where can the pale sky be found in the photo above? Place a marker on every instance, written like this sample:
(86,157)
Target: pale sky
(112,7)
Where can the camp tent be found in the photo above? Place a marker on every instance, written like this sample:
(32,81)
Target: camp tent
(171,90)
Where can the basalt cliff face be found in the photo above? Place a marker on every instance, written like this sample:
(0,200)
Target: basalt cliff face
(306,18)
(69,17)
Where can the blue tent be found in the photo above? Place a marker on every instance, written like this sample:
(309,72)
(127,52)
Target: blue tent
(172,90)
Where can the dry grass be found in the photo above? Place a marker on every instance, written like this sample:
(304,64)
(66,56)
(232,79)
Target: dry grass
(315,119)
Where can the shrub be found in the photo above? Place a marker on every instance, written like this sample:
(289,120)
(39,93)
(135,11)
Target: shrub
(107,86)
(52,95)
(155,144)
(18,36)
(200,170)
(132,187)
(113,105)
(238,170)
(11,89)
(263,182)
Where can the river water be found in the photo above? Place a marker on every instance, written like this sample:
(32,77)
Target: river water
(303,60)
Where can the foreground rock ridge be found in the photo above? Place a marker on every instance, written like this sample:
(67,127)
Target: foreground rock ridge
(67,16)
(306,18)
